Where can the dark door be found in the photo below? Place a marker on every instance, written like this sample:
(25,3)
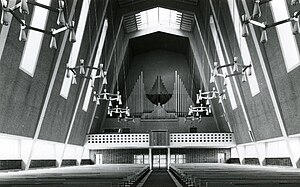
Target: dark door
(159,138)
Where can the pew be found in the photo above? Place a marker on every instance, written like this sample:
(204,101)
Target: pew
(191,175)
(107,175)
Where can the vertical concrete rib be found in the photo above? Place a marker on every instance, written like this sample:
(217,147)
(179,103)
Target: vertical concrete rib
(83,85)
(197,58)
(234,80)
(270,88)
(49,91)
(107,67)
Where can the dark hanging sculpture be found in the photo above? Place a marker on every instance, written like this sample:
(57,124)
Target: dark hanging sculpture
(159,94)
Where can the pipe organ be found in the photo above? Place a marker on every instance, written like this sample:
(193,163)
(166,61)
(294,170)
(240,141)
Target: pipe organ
(178,104)
(137,100)
(181,100)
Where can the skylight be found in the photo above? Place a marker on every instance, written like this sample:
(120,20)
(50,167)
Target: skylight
(158,17)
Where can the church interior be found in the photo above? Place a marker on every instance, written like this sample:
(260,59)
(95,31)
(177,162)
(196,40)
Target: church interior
(150,93)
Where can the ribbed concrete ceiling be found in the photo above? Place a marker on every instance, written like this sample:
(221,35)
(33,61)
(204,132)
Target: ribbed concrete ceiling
(140,14)
(125,3)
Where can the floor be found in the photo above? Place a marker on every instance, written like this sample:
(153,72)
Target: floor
(159,179)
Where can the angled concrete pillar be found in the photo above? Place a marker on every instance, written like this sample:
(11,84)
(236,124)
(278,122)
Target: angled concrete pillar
(261,149)
(168,158)
(273,95)
(150,158)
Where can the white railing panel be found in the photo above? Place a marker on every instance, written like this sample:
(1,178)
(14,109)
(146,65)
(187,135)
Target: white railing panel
(104,141)
(209,140)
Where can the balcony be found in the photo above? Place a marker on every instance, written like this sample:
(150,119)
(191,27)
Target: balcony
(176,140)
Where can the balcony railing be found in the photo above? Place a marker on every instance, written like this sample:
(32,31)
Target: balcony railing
(104,141)
(180,140)
(218,140)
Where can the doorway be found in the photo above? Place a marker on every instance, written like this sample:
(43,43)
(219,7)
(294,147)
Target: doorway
(159,159)
(99,159)
(221,157)
(159,162)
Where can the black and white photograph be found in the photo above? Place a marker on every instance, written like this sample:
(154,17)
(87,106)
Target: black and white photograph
(149,93)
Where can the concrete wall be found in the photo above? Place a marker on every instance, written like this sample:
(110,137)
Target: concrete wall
(22,96)
(259,108)
(159,63)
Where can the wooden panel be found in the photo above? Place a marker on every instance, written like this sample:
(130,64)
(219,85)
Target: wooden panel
(159,138)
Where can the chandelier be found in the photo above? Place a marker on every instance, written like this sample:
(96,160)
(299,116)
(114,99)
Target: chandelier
(209,95)
(199,109)
(237,69)
(126,119)
(23,8)
(119,111)
(79,71)
(107,97)
(257,13)
(192,118)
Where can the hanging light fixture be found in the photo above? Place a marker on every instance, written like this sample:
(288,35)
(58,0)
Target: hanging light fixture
(225,82)
(263,36)
(74,81)
(245,31)
(53,44)
(108,97)
(235,67)
(72,38)
(209,95)
(61,16)
(119,111)
(296,25)
(256,9)
(294,2)
(126,119)
(256,13)
(4,13)
(23,8)
(23,36)
(81,67)
(79,71)
(245,69)
(196,110)
(192,119)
